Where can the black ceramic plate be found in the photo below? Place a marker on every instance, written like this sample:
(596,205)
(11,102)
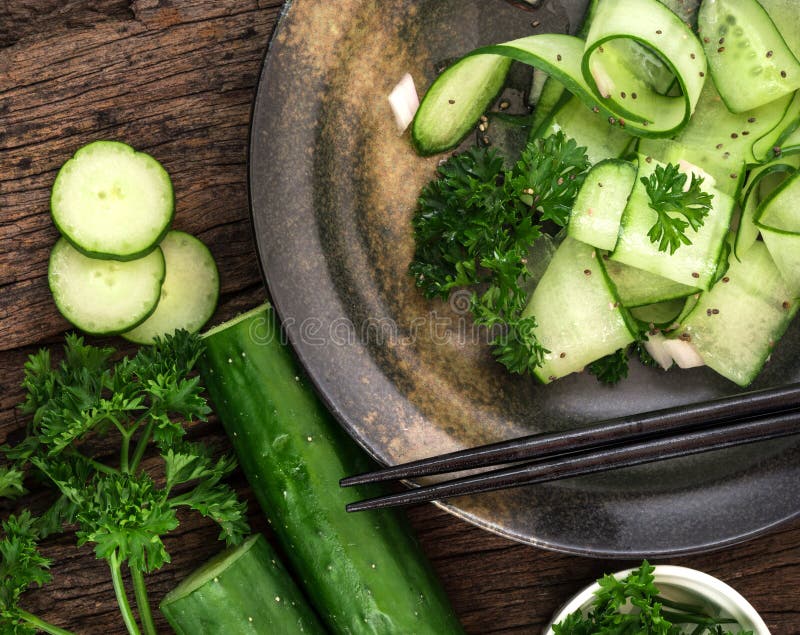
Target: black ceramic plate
(333,186)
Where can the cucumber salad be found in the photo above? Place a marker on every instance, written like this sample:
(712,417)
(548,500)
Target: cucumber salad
(652,208)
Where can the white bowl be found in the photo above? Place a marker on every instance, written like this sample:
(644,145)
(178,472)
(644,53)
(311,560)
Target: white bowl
(683,585)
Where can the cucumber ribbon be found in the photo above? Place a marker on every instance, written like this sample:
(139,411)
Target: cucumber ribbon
(597,70)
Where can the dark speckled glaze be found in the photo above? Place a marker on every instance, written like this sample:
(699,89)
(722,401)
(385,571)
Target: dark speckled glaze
(333,187)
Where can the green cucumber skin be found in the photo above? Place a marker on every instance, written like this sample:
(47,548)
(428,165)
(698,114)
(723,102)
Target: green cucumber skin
(425,133)
(98,255)
(252,595)
(364,572)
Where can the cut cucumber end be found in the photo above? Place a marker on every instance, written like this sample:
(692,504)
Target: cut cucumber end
(245,589)
(104,297)
(112,202)
(242,317)
(189,292)
(210,570)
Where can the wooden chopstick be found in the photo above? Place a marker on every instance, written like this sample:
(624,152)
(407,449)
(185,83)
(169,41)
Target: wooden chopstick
(599,460)
(612,431)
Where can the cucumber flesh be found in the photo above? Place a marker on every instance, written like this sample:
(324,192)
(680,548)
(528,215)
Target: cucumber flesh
(364,573)
(727,170)
(110,201)
(104,297)
(776,189)
(686,10)
(728,138)
(747,231)
(578,315)
(600,202)
(540,254)
(785,252)
(637,287)
(553,94)
(189,292)
(784,16)
(760,183)
(454,102)
(781,210)
(779,140)
(606,69)
(589,129)
(749,61)
(456,99)
(661,315)
(735,326)
(790,144)
(691,265)
(244,590)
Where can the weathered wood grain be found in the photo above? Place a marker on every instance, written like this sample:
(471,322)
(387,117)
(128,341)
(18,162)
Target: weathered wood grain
(176,78)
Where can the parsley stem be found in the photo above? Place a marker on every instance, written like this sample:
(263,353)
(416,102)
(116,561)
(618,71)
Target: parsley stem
(100,467)
(122,598)
(142,603)
(41,624)
(141,446)
(684,618)
(679,606)
(123,455)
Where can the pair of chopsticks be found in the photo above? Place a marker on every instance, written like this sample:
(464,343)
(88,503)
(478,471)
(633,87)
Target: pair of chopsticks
(609,445)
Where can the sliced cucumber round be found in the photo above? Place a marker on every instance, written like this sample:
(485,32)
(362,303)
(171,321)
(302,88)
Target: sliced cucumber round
(189,293)
(110,201)
(104,297)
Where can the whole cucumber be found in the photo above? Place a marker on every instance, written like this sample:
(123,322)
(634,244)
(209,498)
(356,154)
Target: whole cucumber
(365,572)
(245,590)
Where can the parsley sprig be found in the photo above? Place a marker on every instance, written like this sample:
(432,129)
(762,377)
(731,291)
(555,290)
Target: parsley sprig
(122,506)
(634,605)
(612,368)
(670,199)
(475,224)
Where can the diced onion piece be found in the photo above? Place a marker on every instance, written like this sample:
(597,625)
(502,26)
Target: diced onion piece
(691,169)
(655,346)
(684,354)
(404,102)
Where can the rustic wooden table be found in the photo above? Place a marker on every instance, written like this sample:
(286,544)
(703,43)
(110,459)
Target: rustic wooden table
(176,78)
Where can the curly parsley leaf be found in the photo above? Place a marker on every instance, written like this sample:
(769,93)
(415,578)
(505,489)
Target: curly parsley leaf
(21,566)
(144,401)
(126,515)
(475,225)
(465,215)
(644,355)
(11,482)
(549,175)
(193,463)
(611,369)
(517,347)
(634,605)
(668,196)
